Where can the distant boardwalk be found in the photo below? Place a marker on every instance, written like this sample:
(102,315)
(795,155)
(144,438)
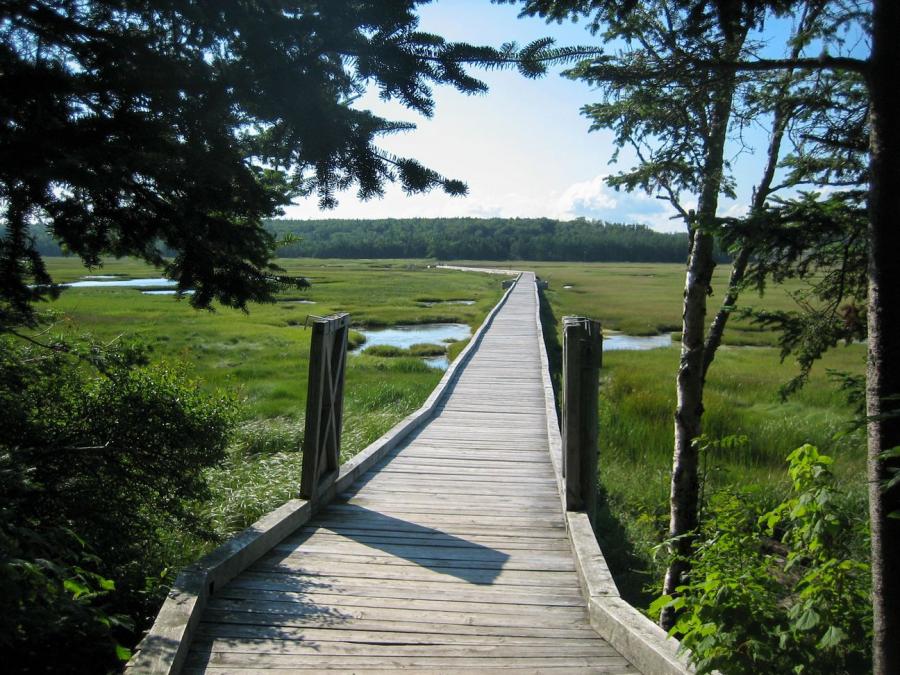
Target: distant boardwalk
(450,555)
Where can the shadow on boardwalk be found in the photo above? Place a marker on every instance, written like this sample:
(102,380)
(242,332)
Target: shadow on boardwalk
(423,546)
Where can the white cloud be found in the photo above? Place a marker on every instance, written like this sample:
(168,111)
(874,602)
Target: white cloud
(735,210)
(586,197)
(592,199)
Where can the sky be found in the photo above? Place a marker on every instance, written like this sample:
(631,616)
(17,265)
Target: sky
(523,148)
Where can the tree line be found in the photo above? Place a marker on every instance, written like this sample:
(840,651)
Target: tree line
(578,240)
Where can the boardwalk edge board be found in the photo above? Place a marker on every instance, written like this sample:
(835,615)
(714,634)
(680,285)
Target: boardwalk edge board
(633,635)
(165,647)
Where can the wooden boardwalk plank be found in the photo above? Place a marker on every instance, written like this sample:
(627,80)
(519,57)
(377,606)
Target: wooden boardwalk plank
(449,555)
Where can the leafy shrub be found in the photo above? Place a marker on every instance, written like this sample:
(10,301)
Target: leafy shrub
(796,604)
(101,455)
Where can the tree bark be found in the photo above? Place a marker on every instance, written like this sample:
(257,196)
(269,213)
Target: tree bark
(883,369)
(683,507)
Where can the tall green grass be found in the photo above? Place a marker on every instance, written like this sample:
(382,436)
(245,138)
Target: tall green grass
(262,355)
(637,404)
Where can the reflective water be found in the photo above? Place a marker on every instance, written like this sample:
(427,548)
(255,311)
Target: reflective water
(188,292)
(621,342)
(407,336)
(112,283)
(438,362)
(432,303)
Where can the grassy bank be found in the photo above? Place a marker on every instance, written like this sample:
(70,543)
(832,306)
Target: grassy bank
(262,356)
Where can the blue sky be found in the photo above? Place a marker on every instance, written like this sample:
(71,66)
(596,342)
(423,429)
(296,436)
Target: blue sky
(523,148)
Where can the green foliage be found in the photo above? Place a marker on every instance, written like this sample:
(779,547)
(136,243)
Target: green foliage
(480,239)
(823,243)
(100,455)
(53,596)
(796,604)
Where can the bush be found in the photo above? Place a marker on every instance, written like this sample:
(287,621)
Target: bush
(798,603)
(101,457)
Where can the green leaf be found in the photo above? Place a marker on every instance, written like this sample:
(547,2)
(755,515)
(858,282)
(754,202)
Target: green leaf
(76,588)
(122,653)
(807,620)
(659,604)
(833,636)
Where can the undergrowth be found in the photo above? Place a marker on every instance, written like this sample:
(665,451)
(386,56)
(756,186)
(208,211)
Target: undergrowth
(781,590)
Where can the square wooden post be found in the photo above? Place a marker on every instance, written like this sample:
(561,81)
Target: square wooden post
(582,357)
(324,404)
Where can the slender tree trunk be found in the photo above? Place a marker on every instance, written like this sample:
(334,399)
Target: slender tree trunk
(883,372)
(717,328)
(689,381)
(782,115)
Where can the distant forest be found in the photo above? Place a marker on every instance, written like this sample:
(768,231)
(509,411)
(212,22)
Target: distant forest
(467,239)
(480,239)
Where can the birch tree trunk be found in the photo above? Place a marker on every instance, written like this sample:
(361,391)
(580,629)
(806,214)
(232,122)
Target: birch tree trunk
(684,490)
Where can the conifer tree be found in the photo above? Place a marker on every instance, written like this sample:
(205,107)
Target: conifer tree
(130,128)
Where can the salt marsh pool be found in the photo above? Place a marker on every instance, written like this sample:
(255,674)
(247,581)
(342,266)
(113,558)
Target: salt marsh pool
(405,337)
(620,342)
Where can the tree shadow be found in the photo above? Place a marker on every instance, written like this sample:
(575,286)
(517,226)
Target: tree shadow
(554,348)
(424,546)
(629,570)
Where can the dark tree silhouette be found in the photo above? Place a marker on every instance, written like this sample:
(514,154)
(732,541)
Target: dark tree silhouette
(130,128)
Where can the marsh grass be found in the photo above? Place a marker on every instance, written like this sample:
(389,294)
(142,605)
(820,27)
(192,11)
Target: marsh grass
(419,350)
(644,298)
(742,398)
(637,402)
(262,356)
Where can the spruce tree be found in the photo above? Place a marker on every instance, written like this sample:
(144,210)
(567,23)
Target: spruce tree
(154,126)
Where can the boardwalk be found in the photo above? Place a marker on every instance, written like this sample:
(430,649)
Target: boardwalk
(449,555)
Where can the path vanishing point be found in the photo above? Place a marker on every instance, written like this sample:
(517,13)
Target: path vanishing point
(444,548)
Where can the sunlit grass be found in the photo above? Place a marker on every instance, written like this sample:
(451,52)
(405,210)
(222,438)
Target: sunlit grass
(637,404)
(262,356)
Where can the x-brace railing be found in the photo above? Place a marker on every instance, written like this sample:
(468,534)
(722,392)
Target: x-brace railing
(324,404)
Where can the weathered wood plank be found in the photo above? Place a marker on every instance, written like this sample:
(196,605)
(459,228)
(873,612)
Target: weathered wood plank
(347,599)
(231,659)
(267,611)
(211,631)
(408,589)
(350,623)
(448,554)
(300,648)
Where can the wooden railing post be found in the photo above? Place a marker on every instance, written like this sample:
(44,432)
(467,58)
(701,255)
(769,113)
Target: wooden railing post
(324,404)
(582,356)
